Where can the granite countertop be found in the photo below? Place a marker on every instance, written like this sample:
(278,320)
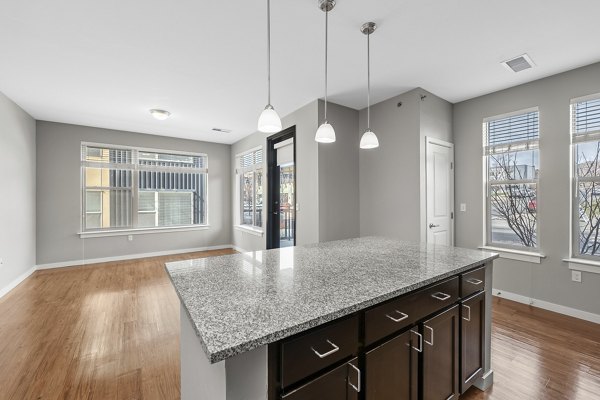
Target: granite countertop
(239,302)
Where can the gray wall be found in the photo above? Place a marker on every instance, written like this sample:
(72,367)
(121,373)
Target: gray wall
(307,170)
(392,177)
(551,280)
(17,202)
(58,195)
(339,207)
(326,177)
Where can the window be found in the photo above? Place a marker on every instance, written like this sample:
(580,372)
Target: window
(511,150)
(128,188)
(250,175)
(585,137)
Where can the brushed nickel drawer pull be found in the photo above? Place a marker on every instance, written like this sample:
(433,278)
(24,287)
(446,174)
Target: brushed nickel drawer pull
(357,387)
(402,318)
(431,330)
(474,281)
(468,319)
(420,349)
(441,296)
(330,352)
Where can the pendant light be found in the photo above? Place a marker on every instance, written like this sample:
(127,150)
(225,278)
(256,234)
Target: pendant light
(326,133)
(369,139)
(269,121)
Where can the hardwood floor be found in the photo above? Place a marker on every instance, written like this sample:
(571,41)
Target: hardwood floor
(107,331)
(111,331)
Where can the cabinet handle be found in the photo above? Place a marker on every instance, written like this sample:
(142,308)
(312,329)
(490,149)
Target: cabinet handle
(357,387)
(474,281)
(441,296)
(402,318)
(420,349)
(468,319)
(330,352)
(431,330)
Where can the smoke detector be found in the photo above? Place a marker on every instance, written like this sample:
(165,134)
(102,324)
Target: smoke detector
(519,63)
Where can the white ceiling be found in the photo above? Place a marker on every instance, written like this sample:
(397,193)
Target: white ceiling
(106,63)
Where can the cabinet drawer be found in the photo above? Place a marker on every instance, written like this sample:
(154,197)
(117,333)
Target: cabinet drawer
(472,282)
(342,383)
(397,314)
(311,352)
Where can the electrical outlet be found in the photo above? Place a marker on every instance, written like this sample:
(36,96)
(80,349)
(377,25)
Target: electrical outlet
(463,207)
(1,261)
(130,238)
(576,276)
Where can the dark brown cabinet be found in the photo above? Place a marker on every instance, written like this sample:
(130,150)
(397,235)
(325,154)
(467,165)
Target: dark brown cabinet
(440,356)
(472,340)
(342,383)
(392,369)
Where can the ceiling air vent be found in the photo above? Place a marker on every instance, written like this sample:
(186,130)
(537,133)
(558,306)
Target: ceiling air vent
(221,130)
(519,63)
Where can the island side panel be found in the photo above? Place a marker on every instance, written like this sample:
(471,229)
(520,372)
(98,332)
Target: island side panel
(487,378)
(199,378)
(240,377)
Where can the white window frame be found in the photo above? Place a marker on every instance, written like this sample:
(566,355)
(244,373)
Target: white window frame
(252,228)
(83,233)
(578,261)
(514,252)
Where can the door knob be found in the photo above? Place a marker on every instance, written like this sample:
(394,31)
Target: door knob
(431,226)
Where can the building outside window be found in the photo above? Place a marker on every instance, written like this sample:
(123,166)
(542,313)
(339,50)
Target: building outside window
(129,188)
(250,177)
(585,138)
(511,151)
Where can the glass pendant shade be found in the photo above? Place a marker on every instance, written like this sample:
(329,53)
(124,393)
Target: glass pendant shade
(369,140)
(325,133)
(269,121)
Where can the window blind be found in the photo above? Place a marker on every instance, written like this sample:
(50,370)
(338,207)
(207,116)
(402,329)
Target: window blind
(585,120)
(250,160)
(513,133)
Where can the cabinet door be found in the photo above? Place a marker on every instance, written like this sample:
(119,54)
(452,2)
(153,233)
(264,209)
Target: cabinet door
(391,370)
(440,356)
(472,340)
(343,383)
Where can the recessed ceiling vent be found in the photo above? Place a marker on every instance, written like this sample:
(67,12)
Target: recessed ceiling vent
(221,130)
(519,63)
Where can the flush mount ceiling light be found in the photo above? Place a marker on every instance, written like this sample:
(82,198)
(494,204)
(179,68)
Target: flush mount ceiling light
(160,115)
(326,133)
(369,139)
(269,121)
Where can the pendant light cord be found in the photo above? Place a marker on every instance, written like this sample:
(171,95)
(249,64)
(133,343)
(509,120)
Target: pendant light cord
(269,51)
(326,32)
(368,82)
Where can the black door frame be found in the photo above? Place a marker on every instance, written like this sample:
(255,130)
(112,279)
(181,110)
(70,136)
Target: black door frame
(272,179)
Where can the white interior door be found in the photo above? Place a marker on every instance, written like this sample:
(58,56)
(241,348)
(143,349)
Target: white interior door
(440,192)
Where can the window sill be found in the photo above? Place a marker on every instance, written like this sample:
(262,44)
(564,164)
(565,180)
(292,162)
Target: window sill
(518,255)
(249,229)
(581,264)
(141,231)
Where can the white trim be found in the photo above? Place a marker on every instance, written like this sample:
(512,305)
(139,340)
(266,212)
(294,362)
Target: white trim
(589,97)
(572,312)
(74,263)
(239,249)
(511,114)
(252,150)
(249,229)
(148,149)
(4,291)
(581,264)
(142,231)
(519,255)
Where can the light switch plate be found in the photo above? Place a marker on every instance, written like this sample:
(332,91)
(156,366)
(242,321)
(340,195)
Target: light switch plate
(463,207)
(576,276)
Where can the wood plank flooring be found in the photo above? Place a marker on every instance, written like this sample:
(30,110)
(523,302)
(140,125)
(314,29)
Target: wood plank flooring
(111,331)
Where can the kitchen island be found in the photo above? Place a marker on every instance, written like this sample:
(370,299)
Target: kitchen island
(368,318)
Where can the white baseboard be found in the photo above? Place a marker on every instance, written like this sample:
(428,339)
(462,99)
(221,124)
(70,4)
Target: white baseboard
(71,263)
(572,312)
(239,249)
(15,283)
